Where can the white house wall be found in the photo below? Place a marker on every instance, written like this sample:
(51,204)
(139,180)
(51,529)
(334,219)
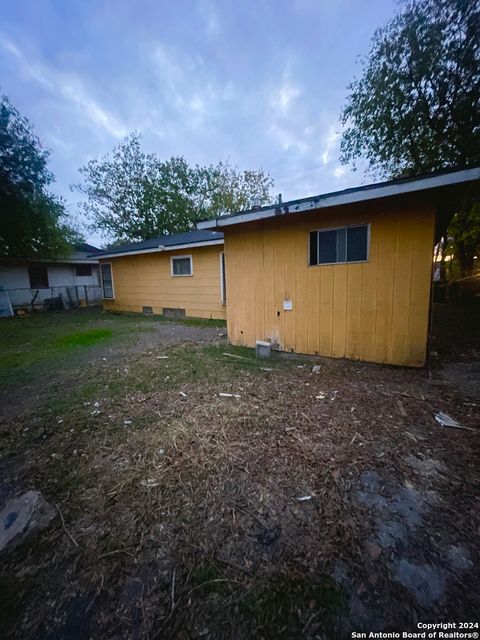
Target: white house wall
(15,279)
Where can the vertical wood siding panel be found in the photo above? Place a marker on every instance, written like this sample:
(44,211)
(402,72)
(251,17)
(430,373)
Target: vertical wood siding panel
(244,263)
(354,310)
(406,227)
(269,235)
(232,292)
(325,346)
(385,281)
(369,296)
(313,327)
(279,285)
(339,310)
(422,252)
(301,305)
(290,242)
(258,288)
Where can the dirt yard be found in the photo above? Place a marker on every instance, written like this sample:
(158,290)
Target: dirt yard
(301,505)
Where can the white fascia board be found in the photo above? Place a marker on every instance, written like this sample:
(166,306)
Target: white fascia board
(176,247)
(342,198)
(91,261)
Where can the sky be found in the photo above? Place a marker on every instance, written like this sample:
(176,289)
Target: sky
(258,83)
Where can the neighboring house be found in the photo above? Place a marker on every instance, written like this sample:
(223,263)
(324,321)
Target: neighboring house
(175,275)
(77,275)
(343,274)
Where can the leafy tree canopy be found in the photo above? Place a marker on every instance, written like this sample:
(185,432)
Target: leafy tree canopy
(416,108)
(132,195)
(32,220)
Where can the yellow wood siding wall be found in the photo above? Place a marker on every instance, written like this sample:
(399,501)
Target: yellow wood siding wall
(375,311)
(146,280)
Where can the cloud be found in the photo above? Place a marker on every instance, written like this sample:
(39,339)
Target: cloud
(210,19)
(330,144)
(192,95)
(70,87)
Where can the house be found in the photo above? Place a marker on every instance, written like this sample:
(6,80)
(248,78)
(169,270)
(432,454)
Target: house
(177,275)
(344,274)
(73,276)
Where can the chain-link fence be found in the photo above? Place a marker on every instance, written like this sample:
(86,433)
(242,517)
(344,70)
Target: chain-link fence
(66,297)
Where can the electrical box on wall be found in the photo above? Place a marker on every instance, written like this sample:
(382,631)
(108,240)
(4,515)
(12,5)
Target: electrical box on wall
(287,305)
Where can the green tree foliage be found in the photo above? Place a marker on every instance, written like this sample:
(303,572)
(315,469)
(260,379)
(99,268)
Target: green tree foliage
(132,195)
(32,220)
(416,108)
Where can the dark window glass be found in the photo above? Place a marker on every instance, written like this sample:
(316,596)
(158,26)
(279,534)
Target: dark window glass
(38,276)
(345,244)
(181,266)
(341,245)
(83,270)
(107,280)
(327,247)
(357,243)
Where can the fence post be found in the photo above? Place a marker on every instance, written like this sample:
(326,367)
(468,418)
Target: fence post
(86,295)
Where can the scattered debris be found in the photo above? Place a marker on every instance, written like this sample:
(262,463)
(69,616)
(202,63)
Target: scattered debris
(321,396)
(446,421)
(150,483)
(127,422)
(316,368)
(22,517)
(229,395)
(234,355)
(303,498)
(183,394)
(401,408)
(162,357)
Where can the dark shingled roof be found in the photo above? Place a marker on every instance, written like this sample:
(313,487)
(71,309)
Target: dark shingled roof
(189,237)
(87,248)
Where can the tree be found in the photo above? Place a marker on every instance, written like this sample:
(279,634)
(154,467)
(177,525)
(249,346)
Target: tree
(416,108)
(32,220)
(132,195)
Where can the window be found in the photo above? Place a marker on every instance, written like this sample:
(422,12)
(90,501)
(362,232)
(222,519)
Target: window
(83,270)
(107,280)
(345,244)
(223,282)
(38,276)
(181,266)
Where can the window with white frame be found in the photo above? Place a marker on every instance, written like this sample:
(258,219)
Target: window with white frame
(181,265)
(339,245)
(107,281)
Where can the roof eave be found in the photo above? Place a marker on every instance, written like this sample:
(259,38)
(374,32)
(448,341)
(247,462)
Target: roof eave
(161,248)
(349,197)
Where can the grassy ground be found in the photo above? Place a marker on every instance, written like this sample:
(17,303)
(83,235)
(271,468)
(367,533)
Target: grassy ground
(183,506)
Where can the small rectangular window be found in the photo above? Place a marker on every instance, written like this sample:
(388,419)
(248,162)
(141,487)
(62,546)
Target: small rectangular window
(38,276)
(83,270)
(107,280)
(181,266)
(345,244)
